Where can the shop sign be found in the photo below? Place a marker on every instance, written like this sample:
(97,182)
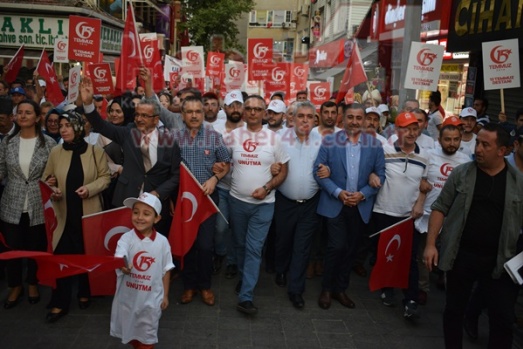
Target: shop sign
(328,55)
(41,32)
(501,64)
(475,21)
(391,17)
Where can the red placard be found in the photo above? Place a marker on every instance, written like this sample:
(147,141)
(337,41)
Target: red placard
(102,78)
(215,68)
(84,39)
(278,80)
(259,58)
(299,72)
(319,93)
(174,80)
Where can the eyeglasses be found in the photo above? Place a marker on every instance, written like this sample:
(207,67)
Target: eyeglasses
(256,109)
(143,116)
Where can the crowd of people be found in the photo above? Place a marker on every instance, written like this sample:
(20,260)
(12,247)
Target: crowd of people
(299,189)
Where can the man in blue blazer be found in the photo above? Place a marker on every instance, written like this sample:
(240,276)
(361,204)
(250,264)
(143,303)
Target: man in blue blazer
(346,198)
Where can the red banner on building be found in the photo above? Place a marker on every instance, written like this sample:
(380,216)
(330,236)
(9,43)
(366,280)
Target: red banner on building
(327,55)
(259,56)
(84,39)
(102,78)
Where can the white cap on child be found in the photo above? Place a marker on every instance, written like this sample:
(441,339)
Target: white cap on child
(146,198)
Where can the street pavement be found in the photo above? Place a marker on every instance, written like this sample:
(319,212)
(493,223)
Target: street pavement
(277,324)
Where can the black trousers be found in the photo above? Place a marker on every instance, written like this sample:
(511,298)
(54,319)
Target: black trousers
(23,237)
(295,226)
(500,295)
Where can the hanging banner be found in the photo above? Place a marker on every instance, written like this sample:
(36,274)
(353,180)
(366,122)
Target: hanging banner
(192,58)
(84,39)
(259,57)
(61,47)
(424,66)
(501,64)
(102,78)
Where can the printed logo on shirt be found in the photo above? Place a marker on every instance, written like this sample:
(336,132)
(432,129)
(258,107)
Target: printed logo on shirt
(446,169)
(143,262)
(249,145)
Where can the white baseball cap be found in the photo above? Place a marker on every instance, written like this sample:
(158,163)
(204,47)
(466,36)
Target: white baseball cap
(277,106)
(468,112)
(383,108)
(373,110)
(148,199)
(233,96)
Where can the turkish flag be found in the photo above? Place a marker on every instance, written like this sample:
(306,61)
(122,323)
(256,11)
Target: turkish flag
(101,234)
(131,57)
(49,214)
(14,65)
(192,208)
(393,256)
(46,70)
(52,267)
(354,73)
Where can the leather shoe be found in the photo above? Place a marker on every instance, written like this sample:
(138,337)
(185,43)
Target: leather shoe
(325,300)
(54,317)
(297,300)
(187,296)
(11,304)
(247,307)
(84,304)
(281,279)
(207,296)
(359,270)
(343,299)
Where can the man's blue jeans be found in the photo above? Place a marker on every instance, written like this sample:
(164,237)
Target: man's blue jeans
(223,242)
(250,224)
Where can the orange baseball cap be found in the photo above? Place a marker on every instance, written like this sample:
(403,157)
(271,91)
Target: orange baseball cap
(405,119)
(452,120)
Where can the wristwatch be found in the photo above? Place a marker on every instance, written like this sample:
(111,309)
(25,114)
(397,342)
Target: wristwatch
(268,191)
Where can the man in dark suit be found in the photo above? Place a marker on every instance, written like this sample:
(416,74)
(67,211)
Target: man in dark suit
(151,157)
(346,198)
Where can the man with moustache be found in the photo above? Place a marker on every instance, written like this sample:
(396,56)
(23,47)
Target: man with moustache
(276,115)
(296,203)
(223,246)
(151,157)
(442,160)
(201,148)
(346,199)
(211,107)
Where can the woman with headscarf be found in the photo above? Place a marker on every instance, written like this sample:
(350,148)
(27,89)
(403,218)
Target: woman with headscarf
(120,112)
(78,173)
(23,157)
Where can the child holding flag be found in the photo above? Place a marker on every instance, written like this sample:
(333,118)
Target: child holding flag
(142,287)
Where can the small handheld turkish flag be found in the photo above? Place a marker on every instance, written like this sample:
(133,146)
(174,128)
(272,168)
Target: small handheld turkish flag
(49,214)
(393,256)
(193,207)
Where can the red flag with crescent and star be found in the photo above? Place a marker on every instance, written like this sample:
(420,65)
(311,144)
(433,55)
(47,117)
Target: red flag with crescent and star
(52,267)
(102,231)
(46,70)
(131,57)
(192,208)
(14,65)
(354,73)
(393,256)
(49,214)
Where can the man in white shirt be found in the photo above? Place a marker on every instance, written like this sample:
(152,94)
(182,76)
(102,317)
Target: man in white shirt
(276,115)
(254,149)
(296,202)
(435,117)
(328,119)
